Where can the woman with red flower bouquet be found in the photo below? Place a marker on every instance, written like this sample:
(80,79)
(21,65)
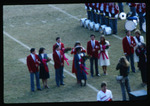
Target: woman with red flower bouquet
(44,72)
(79,62)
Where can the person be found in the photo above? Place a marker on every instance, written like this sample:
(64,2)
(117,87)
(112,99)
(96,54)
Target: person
(92,50)
(58,65)
(101,16)
(128,44)
(141,11)
(138,39)
(61,47)
(87,7)
(120,4)
(33,62)
(124,82)
(44,71)
(103,55)
(132,8)
(104,94)
(142,53)
(106,13)
(58,42)
(80,65)
(77,43)
(113,16)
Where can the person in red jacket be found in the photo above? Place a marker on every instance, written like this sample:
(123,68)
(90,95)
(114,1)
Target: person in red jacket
(141,11)
(58,57)
(113,16)
(33,62)
(58,42)
(92,50)
(75,52)
(128,44)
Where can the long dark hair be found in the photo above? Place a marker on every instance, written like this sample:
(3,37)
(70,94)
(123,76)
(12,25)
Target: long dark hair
(41,50)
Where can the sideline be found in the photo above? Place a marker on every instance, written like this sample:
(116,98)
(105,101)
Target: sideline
(27,47)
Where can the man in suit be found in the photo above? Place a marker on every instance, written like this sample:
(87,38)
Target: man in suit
(92,50)
(58,42)
(33,62)
(128,44)
(58,65)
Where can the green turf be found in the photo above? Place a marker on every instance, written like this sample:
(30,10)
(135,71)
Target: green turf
(38,34)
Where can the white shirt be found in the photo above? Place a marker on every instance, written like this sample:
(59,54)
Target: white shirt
(129,39)
(93,43)
(102,7)
(101,96)
(42,55)
(59,44)
(58,52)
(33,56)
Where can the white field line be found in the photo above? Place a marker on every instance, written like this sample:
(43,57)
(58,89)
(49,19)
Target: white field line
(27,47)
(75,17)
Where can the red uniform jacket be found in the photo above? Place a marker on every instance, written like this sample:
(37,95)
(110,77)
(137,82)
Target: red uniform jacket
(32,66)
(96,47)
(143,7)
(62,46)
(57,62)
(126,46)
(105,5)
(116,10)
(132,4)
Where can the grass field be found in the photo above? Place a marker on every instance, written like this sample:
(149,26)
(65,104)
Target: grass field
(38,26)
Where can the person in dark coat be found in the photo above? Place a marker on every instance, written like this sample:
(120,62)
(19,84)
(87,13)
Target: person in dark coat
(141,52)
(124,82)
(44,71)
(80,66)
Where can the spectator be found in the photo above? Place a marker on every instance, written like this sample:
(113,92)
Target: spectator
(124,82)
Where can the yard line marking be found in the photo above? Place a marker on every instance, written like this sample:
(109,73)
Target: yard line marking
(43,21)
(57,8)
(24,45)
(64,12)
(27,23)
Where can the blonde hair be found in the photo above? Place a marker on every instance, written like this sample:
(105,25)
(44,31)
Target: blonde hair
(124,61)
(137,31)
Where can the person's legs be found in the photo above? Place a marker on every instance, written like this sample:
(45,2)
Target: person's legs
(37,80)
(122,84)
(91,66)
(127,57)
(127,85)
(57,77)
(132,62)
(96,65)
(61,75)
(32,81)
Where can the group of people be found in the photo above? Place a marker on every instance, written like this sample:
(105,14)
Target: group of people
(107,13)
(134,50)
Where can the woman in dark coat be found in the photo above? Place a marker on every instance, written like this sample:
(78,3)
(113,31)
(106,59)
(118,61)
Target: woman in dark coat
(141,52)
(80,65)
(124,82)
(44,71)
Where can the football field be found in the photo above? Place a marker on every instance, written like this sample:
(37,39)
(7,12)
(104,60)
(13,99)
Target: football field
(27,26)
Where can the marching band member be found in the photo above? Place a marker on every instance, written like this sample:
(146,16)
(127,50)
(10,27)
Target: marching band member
(103,55)
(101,16)
(87,7)
(75,52)
(141,11)
(92,12)
(120,4)
(113,15)
(132,8)
(96,13)
(106,13)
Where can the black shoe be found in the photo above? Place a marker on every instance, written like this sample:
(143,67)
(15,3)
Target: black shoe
(98,75)
(62,84)
(39,89)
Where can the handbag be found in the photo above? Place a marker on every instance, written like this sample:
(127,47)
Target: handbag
(120,79)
